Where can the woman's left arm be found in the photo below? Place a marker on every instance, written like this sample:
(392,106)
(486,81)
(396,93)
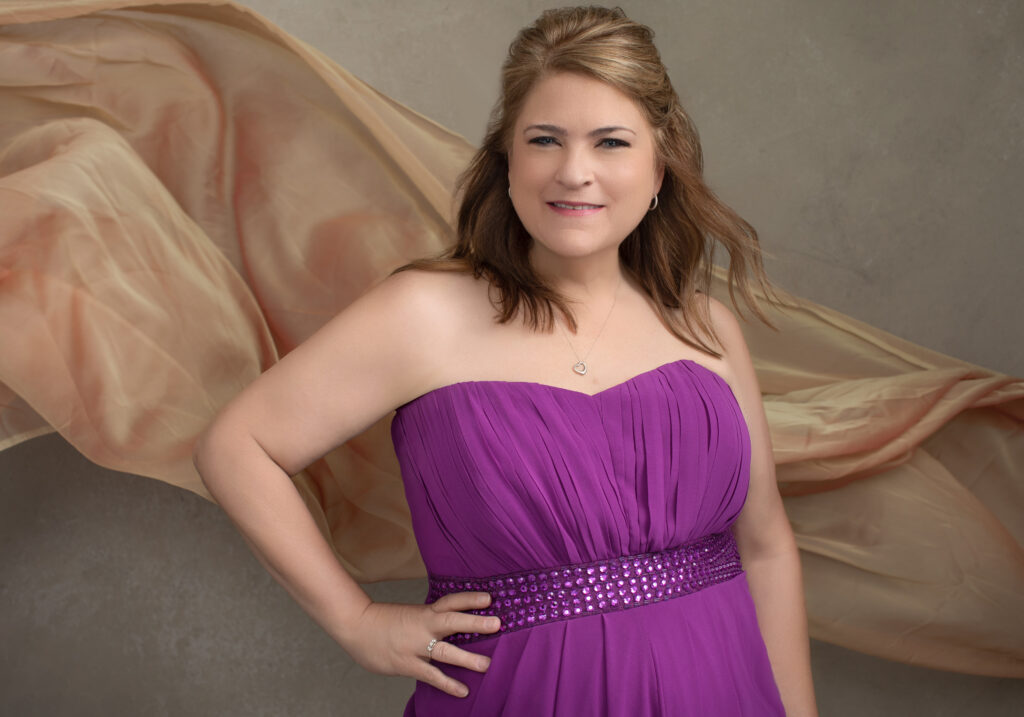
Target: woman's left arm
(766,543)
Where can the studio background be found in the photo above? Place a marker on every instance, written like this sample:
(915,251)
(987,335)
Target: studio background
(876,147)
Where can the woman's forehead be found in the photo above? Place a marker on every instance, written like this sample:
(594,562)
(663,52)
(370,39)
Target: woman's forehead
(579,103)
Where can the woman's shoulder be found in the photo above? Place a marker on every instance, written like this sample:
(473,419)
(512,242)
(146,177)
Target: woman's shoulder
(722,319)
(718,317)
(428,305)
(725,337)
(433,294)
(736,362)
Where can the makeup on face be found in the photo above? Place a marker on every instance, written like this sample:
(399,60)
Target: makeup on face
(582,165)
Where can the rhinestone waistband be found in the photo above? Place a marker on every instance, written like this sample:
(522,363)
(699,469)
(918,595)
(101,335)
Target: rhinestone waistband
(535,597)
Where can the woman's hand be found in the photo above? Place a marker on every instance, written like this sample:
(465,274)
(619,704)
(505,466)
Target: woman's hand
(392,639)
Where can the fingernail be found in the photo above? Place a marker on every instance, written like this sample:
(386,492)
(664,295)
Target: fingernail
(485,600)
(495,622)
(484,664)
(463,691)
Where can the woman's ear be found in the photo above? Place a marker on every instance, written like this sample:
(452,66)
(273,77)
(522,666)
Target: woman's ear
(659,177)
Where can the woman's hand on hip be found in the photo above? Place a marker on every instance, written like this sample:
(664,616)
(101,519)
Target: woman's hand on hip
(392,639)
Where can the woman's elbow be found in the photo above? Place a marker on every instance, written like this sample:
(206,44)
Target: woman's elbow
(214,444)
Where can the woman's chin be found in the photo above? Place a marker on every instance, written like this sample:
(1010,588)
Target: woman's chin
(572,247)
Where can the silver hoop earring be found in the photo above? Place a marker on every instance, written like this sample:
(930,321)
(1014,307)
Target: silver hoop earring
(654,204)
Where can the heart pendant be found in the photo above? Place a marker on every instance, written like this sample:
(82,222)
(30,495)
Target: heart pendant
(580,368)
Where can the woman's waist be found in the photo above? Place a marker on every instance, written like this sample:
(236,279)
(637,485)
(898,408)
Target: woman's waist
(530,598)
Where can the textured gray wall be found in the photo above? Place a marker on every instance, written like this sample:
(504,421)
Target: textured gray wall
(876,146)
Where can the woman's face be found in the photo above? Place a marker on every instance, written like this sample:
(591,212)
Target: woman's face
(582,166)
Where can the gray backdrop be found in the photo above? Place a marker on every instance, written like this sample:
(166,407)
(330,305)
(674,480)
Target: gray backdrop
(876,146)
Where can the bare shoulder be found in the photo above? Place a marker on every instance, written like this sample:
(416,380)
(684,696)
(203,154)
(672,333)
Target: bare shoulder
(413,297)
(725,323)
(381,351)
(415,317)
(429,308)
(736,361)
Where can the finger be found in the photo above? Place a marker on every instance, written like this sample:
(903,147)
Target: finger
(461,601)
(452,622)
(449,653)
(433,676)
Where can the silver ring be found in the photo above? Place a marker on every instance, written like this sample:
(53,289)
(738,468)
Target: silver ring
(430,645)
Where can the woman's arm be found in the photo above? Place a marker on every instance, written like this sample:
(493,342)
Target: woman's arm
(765,539)
(370,358)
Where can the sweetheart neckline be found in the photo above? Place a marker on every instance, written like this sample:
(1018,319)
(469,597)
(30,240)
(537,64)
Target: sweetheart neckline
(548,386)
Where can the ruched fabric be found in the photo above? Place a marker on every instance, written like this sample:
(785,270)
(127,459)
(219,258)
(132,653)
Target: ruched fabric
(510,476)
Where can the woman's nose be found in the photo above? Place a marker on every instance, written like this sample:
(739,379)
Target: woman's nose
(576,169)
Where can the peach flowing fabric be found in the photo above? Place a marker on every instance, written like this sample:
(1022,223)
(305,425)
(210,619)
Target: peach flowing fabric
(187,192)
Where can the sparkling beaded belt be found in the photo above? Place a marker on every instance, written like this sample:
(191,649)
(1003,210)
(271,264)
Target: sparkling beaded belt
(535,597)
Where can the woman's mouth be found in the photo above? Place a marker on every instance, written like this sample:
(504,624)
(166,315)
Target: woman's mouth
(575,208)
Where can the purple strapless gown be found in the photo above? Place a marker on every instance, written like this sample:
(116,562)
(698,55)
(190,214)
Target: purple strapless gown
(510,476)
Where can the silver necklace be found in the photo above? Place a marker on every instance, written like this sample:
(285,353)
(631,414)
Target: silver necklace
(580,367)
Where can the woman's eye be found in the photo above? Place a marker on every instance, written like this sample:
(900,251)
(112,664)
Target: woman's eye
(607,142)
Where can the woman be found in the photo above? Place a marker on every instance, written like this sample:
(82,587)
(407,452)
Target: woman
(567,395)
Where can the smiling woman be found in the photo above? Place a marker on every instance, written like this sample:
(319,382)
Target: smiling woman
(625,515)
(572,123)
(580,149)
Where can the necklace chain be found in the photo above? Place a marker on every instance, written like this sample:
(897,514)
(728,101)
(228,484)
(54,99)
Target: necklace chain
(580,367)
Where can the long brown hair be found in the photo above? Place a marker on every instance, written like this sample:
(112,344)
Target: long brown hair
(669,253)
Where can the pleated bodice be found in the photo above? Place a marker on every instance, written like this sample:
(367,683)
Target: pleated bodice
(505,476)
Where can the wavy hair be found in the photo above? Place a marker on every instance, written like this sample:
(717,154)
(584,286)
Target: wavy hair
(669,254)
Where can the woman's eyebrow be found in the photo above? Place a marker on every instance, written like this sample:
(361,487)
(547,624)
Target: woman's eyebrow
(561,131)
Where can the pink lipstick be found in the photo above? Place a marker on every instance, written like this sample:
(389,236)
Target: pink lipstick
(575,209)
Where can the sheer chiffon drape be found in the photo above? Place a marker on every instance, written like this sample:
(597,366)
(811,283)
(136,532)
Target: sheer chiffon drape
(187,192)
